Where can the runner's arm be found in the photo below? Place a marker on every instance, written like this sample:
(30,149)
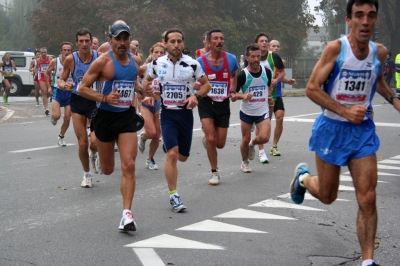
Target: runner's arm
(47,73)
(68,67)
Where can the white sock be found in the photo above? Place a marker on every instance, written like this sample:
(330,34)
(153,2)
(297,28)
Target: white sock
(251,144)
(260,151)
(126,211)
(301,178)
(88,173)
(367,262)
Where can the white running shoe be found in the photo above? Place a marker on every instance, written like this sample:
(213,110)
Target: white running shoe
(245,167)
(251,152)
(53,121)
(127,223)
(205,142)
(151,164)
(263,157)
(92,157)
(87,181)
(37,104)
(214,180)
(61,142)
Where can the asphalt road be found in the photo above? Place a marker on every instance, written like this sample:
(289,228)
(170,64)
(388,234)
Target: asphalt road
(46,218)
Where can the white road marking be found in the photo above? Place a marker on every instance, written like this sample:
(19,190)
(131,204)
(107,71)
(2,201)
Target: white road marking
(214,226)
(40,148)
(346,178)
(387,167)
(396,157)
(387,161)
(379,174)
(307,196)
(148,257)
(168,241)
(247,214)
(270,203)
(8,115)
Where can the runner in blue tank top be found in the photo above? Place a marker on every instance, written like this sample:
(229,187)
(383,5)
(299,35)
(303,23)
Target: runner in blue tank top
(116,121)
(76,65)
(343,83)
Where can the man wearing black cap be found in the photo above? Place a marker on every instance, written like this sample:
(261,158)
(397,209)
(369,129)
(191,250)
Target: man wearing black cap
(116,121)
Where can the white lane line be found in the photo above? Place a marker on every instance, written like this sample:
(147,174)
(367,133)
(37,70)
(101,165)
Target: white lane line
(387,167)
(247,214)
(270,203)
(214,226)
(387,161)
(40,148)
(148,257)
(396,157)
(168,241)
(307,196)
(346,178)
(379,174)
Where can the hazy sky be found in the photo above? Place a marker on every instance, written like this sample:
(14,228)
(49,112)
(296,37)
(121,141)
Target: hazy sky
(313,3)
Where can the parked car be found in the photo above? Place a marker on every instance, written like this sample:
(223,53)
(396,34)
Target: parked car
(22,82)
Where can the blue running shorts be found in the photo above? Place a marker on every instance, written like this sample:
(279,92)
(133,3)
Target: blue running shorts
(337,142)
(153,109)
(250,119)
(177,129)
(62,97)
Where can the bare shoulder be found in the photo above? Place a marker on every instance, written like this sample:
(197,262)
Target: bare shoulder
(333,48)
(382,51)
(102,60)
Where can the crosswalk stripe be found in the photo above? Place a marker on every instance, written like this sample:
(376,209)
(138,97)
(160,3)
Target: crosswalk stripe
(168,241)
(379,174)
(214,226)
(247,214)
(307,196)
(148,257)
(346,178)
(387,161)
(388,167)
(270,203)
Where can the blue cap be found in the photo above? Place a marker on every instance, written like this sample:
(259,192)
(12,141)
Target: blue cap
(116,29)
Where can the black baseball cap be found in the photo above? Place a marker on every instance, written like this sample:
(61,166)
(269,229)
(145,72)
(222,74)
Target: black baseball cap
(116,29)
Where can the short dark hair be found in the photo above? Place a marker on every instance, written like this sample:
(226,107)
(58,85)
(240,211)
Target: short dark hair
(83,32)
(389,53)
(258,36)
(37,51)
(172,31)
(350,4)
(64,43)
(211,32)
(251,48)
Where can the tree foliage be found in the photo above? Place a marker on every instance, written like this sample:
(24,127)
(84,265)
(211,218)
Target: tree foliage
(15,32)
(388,23)
(286,20)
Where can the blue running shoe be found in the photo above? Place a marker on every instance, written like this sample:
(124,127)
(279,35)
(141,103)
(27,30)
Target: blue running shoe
(296,190)
(373,264)
(176,203)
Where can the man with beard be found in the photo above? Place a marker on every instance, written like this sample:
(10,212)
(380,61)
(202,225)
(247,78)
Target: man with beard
(176,74)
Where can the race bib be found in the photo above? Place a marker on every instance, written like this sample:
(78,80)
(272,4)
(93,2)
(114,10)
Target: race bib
(354,85)
(127,91)
(174,95)
(8,70)
(259,94)
(43,68)
(156,85)
(219,90)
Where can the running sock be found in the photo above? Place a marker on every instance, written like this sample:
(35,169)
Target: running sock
(88,173)
(260,151)
(126,211)
(61,136)
(251,144)
(367,262)
(213,171)
(302,177)
(173,192)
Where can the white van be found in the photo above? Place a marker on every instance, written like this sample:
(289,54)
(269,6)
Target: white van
(22,83)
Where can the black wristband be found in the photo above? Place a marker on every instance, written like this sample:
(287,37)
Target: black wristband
(198,96)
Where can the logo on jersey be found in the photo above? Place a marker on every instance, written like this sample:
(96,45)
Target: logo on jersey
(162,72)
(164,65)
